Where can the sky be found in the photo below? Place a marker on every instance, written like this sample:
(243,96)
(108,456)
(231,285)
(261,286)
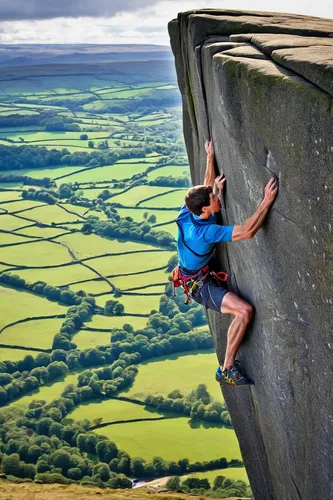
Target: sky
(120,21)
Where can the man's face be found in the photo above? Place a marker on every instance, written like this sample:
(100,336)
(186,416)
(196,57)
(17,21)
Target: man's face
(214,206)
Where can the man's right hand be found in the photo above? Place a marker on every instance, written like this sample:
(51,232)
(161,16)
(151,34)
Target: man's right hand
(209,148)
(270,192)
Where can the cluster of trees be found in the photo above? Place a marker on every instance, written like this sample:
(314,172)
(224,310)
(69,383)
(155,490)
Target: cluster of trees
(58,124)
(16,384)
(158,467)
(222,487)
(46,451)
(25,156)
(49,196)
(25,179)
(113,308)
(198,405)
(170,181)
(63,295)
(127,228)
(38,120)
(75,317)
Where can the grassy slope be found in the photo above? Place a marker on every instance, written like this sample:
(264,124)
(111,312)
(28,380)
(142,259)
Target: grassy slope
(10,491)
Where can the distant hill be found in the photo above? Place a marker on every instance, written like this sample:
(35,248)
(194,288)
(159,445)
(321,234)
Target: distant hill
(32,54)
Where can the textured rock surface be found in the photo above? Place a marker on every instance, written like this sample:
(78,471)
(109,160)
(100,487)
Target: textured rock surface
(261,84)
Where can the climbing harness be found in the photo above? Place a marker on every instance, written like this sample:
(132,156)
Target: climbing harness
(189,283)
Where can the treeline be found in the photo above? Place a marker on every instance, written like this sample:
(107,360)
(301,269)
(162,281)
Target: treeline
(222,487)
(127,228)
(158,467)
(25,156)
(170,181)
(46,196)
(54,293)
(25,179)
(198,405)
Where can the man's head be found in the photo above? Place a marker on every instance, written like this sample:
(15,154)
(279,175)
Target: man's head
(201,201)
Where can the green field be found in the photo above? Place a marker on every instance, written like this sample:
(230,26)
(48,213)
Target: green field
(40,173)
(10,239)
(139,193)
(168,200)
(40,232)
(173,439)
(40,253)
(37,333)
(234,473)
(15,354)
(91,244)
(57,276)
(137,214)
(191,368)
(120,264)
(108,322)
(173,170)
(134,304)
(111,410)
(17,305)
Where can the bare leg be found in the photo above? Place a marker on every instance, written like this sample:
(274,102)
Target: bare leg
(243,312)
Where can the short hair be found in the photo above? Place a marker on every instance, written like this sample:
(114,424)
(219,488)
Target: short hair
(197,197)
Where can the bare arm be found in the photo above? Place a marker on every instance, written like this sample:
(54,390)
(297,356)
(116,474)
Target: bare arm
(210,167)
(254,223)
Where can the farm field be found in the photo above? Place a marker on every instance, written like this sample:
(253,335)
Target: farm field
(37,333)
(80,221)
(112,410)
(30,305)
(200,369)
(194,443)
(235,473)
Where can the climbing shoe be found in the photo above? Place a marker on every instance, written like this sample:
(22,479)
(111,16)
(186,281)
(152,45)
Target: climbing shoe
(232,376)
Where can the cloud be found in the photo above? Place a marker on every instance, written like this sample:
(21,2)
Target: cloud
(16,10)
(134,21)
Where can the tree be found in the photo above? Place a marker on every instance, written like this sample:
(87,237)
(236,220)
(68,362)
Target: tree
(60,459)
(57,369)
(91,144)
(218,482)
(106,450)
(84,137)
(11,465)
(173,483)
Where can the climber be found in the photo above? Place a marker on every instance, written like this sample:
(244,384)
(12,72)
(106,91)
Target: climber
(198,233)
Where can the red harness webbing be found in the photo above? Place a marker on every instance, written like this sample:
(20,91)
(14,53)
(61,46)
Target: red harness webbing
(178,279)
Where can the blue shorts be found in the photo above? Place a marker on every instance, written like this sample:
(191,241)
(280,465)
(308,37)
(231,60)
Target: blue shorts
(210,294)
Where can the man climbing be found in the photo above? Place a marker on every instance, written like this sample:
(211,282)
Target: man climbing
(198,233)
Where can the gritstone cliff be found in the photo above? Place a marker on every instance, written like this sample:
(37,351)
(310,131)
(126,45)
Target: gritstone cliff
(261,85)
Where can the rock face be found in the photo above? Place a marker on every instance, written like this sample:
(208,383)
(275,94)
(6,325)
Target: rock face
(261,85)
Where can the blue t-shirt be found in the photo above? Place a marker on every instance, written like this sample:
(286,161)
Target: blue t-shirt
(200,235)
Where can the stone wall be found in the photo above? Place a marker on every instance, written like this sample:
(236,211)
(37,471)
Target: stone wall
(261,85)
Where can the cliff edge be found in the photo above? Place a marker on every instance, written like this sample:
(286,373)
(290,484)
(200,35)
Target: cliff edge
(261,85)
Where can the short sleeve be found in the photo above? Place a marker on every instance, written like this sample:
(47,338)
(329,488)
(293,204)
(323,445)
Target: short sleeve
(215,233)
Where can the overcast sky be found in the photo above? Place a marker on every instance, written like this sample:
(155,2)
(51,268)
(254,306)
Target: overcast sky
(119,21)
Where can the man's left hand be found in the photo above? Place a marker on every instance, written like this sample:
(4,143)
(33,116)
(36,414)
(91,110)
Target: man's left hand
(219,181)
